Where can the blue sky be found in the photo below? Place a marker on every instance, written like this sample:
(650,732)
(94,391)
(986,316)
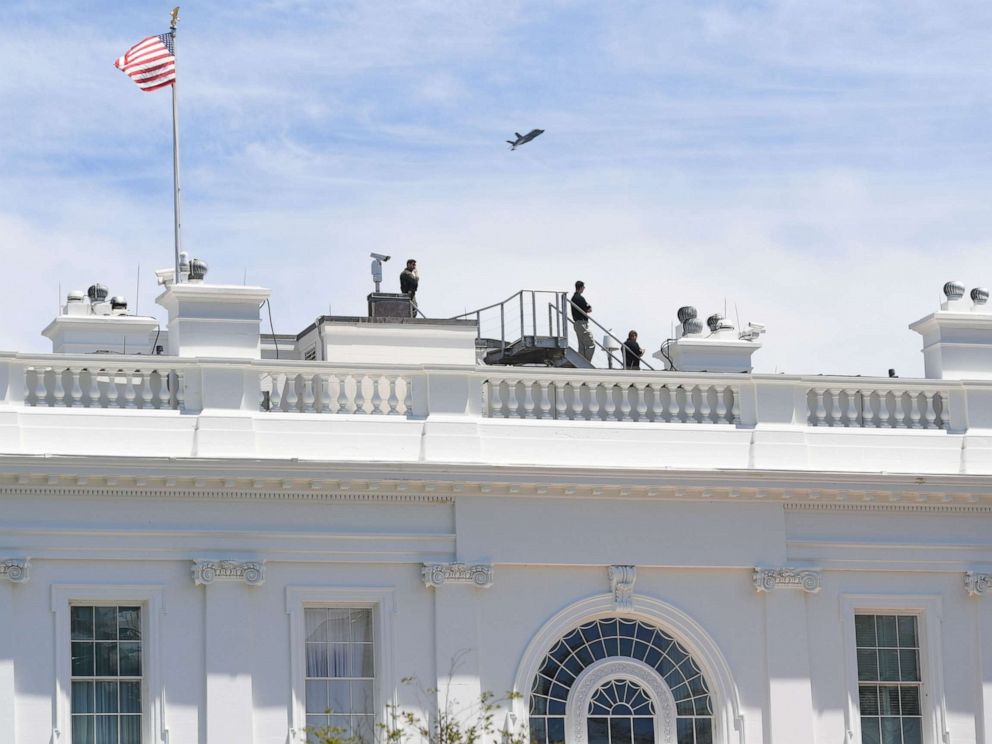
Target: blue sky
(821,166)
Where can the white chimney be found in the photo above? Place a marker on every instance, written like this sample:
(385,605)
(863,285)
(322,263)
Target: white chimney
(213,320)
(717,348)
(957,339)
(88,325)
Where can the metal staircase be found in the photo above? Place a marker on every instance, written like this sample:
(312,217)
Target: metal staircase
(533,327)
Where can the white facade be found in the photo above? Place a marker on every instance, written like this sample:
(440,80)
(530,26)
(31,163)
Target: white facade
(469,518)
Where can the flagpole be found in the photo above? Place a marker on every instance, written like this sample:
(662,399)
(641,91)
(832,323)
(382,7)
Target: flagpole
(175,149)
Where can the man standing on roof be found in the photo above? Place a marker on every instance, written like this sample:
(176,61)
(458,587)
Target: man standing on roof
(409,281)
(632,352)
(580,319)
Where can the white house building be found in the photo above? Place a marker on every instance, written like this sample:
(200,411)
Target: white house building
(227,543)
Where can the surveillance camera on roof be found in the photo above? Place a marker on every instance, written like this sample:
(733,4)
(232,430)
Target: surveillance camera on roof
(379,256)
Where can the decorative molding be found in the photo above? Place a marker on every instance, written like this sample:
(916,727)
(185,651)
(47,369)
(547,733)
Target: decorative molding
(976,583)
(599,673)
(622,580)
(249,572)
(766,579)
(438,574)
(16,570)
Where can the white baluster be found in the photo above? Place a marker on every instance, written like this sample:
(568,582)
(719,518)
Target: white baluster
(164,394)
(94,386)
(609,404)
(900,418)
(308,396)
(836,412)
(735,410)
(852,408)
(945,409)
(376,396)
(690,405)
(495,400)
(76,391)
(657,402)
(914,411)
(58,391)
(343,393)
(275,395)
(593,407)
(393,401)
(561,401)
(704,405)
(360,394)
(625,407)
(180,390)
(323,403)
(577,404)
(642,405)
(528,399)
(408,395)
(112,392)
(883,409)
(146,388)
(40,391)
(545,399)
(129,392)
(674,412)
(292,397)
(512,407)
(721,405)
(867,412)
(930,412)
(820,414)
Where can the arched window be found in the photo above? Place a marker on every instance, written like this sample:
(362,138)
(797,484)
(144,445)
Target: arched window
(609,664)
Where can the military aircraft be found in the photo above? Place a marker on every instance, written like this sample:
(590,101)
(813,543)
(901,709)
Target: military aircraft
(523,139)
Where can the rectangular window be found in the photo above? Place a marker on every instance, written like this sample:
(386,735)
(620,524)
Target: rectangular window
(890,690)
(106,674)
(340,671)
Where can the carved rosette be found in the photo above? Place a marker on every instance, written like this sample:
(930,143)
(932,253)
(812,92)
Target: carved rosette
(248,572)
(15,569)
(438,574)
(622,580)
(766,579)
(976,583)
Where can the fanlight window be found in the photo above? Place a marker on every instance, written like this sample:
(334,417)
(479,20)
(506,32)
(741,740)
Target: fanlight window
(620,712)
(619,638)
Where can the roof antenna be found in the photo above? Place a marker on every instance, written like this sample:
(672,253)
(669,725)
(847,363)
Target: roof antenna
(137,290)
(58,304)
(737,313)
(244,277)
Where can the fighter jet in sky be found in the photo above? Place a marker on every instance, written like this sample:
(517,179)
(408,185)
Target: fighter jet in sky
(523,139)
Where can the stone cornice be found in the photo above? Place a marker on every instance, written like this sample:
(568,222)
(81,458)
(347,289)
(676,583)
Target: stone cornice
(439,574)
(209,571)
(16,570)
(767,579)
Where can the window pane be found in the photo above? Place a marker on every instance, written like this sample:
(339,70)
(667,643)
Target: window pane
(339,696)
(869,731)
(597,729)
(341,726)
(82,659)
(130,697)
(556,731)
(868,664)
(106,730)
(912,731)
(106,697)
(316,624)
(317,660)
(82,730)
(907,631)
(891,731)
(81,621)
(643,731)
(360,664)
(888,664)
(911,701)
(338,624)
(684,728)
(864,630)
(105,623)
(704,731)
(82,697)
(888,701)
(868,700)
(538,731)
(361,626)
(364,726)
(316,695)
(909,666)
(130,659)
(129,623)
(620,732)
(130,729)
(339,657)
(362,700)
(886,625)
(106,659)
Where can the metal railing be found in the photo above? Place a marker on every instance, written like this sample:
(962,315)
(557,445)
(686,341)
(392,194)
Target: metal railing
(518,315)
(607,332)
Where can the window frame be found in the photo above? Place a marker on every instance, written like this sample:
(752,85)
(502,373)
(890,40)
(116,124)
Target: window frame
(927,609)
(380,601)
(150,597)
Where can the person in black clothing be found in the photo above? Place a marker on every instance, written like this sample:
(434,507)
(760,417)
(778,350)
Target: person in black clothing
(580,319)
(632,352)
(410,280)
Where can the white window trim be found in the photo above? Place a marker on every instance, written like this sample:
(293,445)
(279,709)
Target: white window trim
(380,601)
(151,597)
(928,611)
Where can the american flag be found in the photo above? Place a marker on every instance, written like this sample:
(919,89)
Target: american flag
(151,63)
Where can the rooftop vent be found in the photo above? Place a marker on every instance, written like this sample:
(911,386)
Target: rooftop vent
(75,295)
(197,269)
(954,290)
(118,305)
(98,293)
(979,295)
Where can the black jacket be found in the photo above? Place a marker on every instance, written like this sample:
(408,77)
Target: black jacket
(632,353)
(409,281)
(577,312)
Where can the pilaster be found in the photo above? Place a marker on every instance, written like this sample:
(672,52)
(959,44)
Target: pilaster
(229,644)
(7,641)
